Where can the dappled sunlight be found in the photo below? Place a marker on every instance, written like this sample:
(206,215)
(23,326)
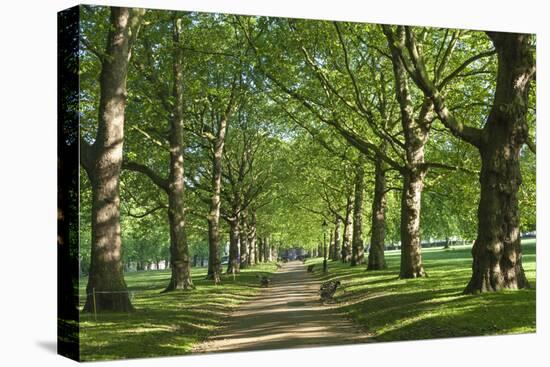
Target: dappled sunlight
(167,323)
(287,315)
(432,307)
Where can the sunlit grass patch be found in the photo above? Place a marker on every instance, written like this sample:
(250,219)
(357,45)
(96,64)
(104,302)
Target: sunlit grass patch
(432,307)
(168,323)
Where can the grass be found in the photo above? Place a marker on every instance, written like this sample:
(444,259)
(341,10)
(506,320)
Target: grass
(389,308)
(432,307)
(165,324)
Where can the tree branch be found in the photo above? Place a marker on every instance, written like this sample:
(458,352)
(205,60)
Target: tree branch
(463,66)
(147,212)
(153,176)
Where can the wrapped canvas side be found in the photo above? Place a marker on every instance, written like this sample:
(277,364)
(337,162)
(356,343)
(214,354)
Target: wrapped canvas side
(67,184)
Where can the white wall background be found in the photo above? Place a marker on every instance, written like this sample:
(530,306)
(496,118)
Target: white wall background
(28,183)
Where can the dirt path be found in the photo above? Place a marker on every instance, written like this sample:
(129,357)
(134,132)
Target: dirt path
(288,314)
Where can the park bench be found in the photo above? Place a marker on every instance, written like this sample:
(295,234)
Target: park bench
(328,289)
(264,281)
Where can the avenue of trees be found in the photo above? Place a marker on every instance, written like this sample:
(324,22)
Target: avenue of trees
(205,135)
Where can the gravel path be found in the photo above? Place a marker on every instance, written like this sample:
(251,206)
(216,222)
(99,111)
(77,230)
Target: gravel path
(288,314)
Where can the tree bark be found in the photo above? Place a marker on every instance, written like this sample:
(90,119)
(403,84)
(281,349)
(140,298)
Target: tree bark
(330,246)
(348,231)
(252,240)
(179,249)
(102,162)
(233,265)
(376,260)
(497,254)
(337,239)
(261,249)
(268,250)
(411,255)
(244,240)
(357,252)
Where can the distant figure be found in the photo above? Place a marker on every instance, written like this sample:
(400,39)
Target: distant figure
(310,268)
(328,289)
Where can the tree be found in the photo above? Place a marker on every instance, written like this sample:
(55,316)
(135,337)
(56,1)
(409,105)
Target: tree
(173,185)
(102,161)
(497,250)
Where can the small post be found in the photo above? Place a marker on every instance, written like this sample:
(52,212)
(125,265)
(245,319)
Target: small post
(93,298)
(233,271)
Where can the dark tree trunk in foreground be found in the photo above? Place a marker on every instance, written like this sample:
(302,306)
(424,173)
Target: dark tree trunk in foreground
(233,265)
(102,161)
(348,231)
(497,255)
(244,240)
(357,252)
(376,259)
(337,239)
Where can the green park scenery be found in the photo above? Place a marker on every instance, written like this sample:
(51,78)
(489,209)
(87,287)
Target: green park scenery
(233,183)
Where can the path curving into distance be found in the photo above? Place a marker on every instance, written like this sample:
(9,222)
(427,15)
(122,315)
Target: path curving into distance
(288,314)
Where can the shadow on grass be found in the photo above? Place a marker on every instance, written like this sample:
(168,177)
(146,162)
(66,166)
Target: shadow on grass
(165,324)
(432,307)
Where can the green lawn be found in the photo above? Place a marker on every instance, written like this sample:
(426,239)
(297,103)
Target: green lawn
(432,307)
(164,324)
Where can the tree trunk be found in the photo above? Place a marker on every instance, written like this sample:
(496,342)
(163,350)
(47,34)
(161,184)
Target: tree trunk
(416,131)
(497,254)
(179,250)
(348,231)
(357,252)
(411,255)
(252,240)
(102,161)
(376,259)
(233,265)
(244,240)
(214,214)
(330,246)
(267,250)
(260,249)
(337,239)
